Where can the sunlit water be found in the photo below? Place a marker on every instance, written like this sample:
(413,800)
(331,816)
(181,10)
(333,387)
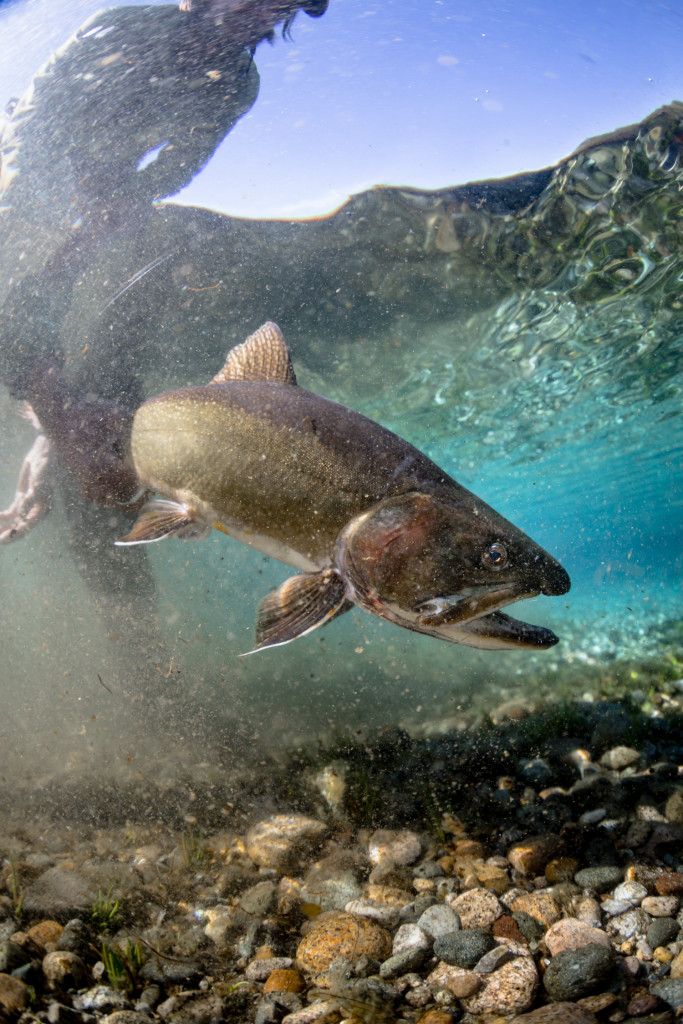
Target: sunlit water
(531,346)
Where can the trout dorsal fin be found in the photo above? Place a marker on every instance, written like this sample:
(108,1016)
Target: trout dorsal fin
(263,356)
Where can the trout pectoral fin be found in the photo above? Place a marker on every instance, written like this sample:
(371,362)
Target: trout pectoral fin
(299,605)
(161,518)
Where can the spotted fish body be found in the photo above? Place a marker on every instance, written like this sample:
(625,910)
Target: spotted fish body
(368,518)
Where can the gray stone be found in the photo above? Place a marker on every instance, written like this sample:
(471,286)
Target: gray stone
(670,990)
(101,998)
(258,970)
(12,956)
(661,932)
(530,928)
(58,893)
(630,892)
(494,959)
(403,963)
(575,973)
(257,899)
(619,757)
(464,948)
(410,936)
(599,879)
(428,869)
(438,920)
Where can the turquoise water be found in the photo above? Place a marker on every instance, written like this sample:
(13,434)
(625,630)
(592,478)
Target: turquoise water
(526,334)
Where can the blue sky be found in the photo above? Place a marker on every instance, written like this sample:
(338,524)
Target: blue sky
(427,93)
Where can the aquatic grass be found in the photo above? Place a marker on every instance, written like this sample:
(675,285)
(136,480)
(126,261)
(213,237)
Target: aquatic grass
(193,848)
(15,887)
(104,910)
(122,965)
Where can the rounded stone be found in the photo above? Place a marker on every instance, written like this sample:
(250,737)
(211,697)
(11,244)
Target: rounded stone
(539,905)
(438,920)
(575,973)
(531,855)
(599,879)
(279,842)
(44,932)
(476,908)
(660,906)
(619,758)
(464,948)
(561,869)
(383,913)
(460,983)
(284,980)
(410,936)
(510,989)
(670,884)
(632,893)
(403,963)
(670,990)
(398,846)
(661,932)
(572,934)
(63,969)
(558,1013)
(342,935)
(14,995)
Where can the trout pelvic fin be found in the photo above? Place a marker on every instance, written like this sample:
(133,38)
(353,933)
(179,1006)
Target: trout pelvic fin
(263,356)
(299,605)
(160,519)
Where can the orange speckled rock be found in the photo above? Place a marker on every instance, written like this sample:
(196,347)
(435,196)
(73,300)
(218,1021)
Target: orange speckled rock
(44,932)
(342,935)
(540,905)
(284,980)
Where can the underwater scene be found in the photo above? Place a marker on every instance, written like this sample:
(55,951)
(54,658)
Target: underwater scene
(276,745)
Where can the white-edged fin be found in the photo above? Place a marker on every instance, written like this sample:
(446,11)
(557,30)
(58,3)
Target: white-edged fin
(161,518)
(263,356)
(299,605)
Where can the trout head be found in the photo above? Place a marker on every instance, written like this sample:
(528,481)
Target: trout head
(443,565)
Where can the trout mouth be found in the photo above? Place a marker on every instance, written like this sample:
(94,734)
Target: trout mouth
(473,618)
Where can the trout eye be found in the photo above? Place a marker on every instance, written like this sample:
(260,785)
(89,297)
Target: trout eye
(495,557)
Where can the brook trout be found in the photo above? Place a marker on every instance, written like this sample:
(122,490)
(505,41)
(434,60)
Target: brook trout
(368,518)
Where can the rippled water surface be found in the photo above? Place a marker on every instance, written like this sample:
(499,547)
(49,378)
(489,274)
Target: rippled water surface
(527,334)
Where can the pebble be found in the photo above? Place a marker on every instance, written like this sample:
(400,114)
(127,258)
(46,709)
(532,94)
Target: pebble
(280,842)
(558,1013)
(531,856)
(63,969)
(599,879)
(630,924)
(126,1017)
(60,892)
(458,982)
(670,884)
(436,1017)
(494,959)
(342,935)
(632,893)
(464,948)
(539,905)
(439,919)
(476,908)
(101,998)
(670,990)
(510,989)
(619,758)
(12,955)
(284,980)
(384,913)
(662,931)
(258,970)
(409,937)
(574,973)
(14,995)
(403,963)
(660,906)
(572,934)
(44,932)
(399,847)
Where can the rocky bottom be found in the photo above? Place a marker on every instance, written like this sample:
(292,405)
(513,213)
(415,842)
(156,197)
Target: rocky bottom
(530,870)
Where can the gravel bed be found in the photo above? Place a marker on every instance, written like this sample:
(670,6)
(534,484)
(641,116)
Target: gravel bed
(530,870)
